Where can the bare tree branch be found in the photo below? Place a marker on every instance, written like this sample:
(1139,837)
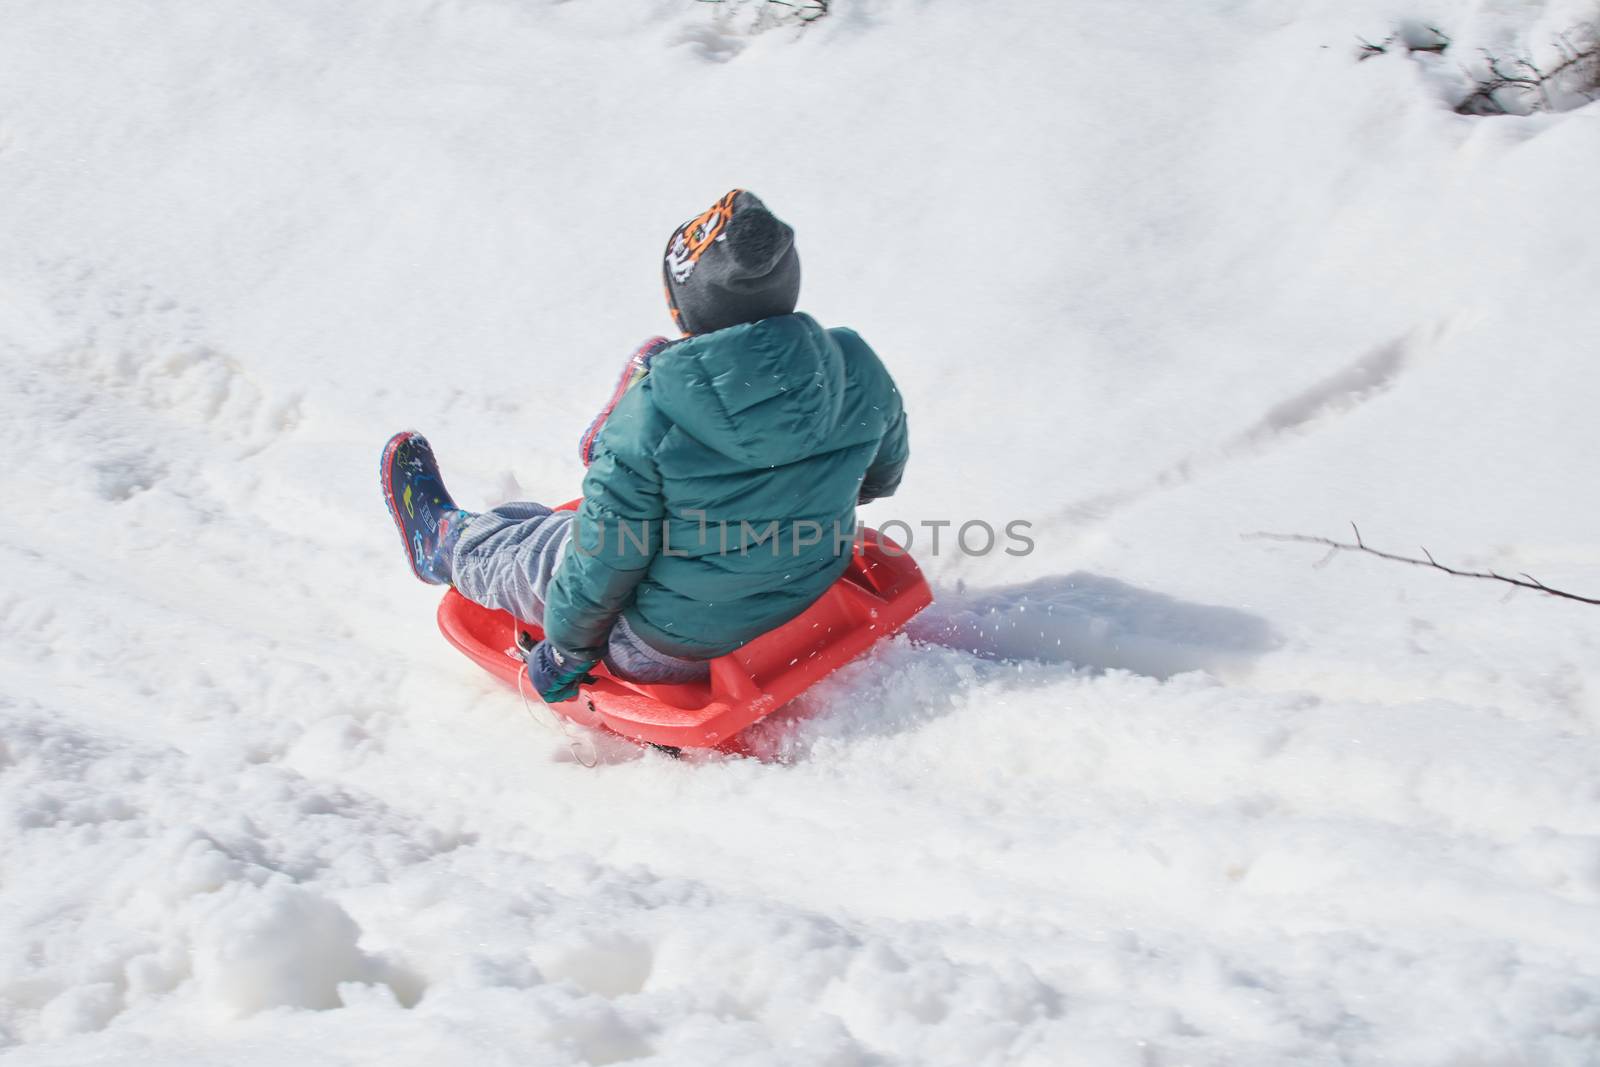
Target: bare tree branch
(1438,45)
(1523,581)
(1525,76)
(1416,38)
(804,11)
(1368,49)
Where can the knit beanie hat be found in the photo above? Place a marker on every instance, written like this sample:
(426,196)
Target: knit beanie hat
(734,263)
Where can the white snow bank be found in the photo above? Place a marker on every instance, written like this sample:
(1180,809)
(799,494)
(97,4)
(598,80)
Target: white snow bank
(1150,277)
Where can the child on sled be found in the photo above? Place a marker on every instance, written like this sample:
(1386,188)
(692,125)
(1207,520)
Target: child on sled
(719,477)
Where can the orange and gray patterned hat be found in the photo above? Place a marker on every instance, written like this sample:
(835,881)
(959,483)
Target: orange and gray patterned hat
(733,263)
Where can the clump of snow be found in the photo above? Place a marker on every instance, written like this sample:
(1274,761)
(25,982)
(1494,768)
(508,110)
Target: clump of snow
(278,946)
(1150,279)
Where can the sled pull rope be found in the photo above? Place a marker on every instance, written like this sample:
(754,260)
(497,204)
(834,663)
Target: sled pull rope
(555,723)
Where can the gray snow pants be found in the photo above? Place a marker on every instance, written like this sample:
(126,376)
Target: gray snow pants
(505,559)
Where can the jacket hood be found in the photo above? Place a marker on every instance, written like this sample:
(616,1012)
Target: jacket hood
(764,393)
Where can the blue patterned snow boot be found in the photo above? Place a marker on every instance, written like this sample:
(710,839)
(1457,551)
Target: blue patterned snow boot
(428,520)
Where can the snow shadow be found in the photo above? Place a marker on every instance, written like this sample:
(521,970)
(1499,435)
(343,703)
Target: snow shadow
(1065,624)
(1090,621)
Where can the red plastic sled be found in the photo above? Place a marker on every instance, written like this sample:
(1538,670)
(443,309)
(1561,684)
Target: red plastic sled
(879,593)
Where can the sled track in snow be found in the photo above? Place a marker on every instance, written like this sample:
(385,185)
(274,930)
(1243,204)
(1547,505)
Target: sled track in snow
(1352,386)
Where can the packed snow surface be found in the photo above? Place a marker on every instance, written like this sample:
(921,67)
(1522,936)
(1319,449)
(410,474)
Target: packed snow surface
(1151,276)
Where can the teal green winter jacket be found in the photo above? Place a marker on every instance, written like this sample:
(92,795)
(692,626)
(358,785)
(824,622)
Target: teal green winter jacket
(721,498)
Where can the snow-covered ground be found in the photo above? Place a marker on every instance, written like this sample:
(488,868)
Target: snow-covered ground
(1151,276)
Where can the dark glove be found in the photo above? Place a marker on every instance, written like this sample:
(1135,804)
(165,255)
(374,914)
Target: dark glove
(556,675)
